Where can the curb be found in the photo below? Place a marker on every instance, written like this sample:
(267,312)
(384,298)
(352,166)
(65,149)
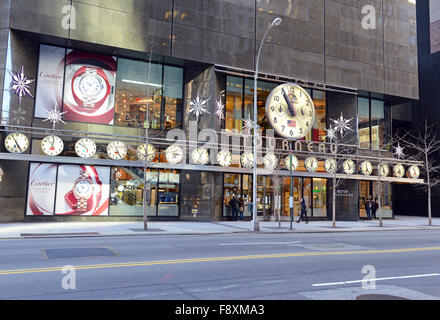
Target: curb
(58,236)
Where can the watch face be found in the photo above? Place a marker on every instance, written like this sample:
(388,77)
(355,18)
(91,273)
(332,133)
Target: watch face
(90,85)
(52,145)
(16,142)
(270,161)
(330,165)
(290,111)
(311,164)
(349,166)
(83,189)
(117,150)
(85,148)
(413,172)
(399,170)
(384,170)
(174,154)
(366,168)
(247,160)
(150,154)
(200,156)
(291,165)
(224,158)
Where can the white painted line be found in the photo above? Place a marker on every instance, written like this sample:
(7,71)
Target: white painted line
(377,279)
(256,243)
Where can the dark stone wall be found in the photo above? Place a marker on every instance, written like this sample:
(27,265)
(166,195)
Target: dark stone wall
(318,40)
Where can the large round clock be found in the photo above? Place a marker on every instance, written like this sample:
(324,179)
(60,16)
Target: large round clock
(247,160)
(330,165)
(16,142)
(366,168)
(174,154)
(349,166)
(270,161)
(224,158)
(291,162)
(399,170)
(290,111)
(52,145)
(413,172)
(200,156)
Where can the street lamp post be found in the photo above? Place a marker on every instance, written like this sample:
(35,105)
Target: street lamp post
(256,226)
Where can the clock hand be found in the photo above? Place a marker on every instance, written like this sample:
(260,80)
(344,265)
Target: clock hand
(16,143)
(289,103)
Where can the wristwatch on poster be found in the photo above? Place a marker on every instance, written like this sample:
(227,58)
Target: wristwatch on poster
(82,190)
(90,87)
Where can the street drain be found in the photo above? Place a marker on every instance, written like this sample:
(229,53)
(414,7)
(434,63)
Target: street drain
(379,297)
(78,253)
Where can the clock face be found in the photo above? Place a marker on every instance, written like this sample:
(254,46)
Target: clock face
(174,154)
(349,166)
(52,145)
(85,148)
(117,150)
(384,170)
(413,172)
(16,142)
(200,156)
(290,111)
(311,164)
(366,168)
(247,160)
(270,161)
(224,158)
(399,170)
(150,154)
(291,165)
(330,165)
(84,189)
(90,85)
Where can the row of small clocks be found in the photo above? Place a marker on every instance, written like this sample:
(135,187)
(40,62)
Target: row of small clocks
(53,145)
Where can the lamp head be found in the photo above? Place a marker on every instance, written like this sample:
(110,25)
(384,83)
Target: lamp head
(276,22)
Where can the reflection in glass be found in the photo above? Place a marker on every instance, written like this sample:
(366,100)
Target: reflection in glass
(364,123)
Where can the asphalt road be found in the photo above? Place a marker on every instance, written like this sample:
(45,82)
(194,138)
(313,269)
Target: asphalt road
(234,267)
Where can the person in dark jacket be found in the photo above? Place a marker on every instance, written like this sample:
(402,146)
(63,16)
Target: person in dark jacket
(241,208)
(303,211)
(233,203)
(374,207)
(368,203)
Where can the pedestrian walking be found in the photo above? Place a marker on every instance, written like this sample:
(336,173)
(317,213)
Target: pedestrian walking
(303,211)
(374,208)
(368,203)
(233,203)
(241,208)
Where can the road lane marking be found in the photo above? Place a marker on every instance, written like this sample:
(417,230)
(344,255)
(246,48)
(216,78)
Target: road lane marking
(258,243)
(231,258)
(377,279)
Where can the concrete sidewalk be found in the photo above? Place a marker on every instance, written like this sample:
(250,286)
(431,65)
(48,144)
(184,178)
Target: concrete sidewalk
(130,228)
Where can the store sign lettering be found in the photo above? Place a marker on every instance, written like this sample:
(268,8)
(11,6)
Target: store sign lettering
(309,146)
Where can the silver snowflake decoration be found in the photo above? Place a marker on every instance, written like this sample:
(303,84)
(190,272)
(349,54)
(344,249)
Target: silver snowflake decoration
(20,84)
(18,115)
(219,112)
(55,116)
(198,106)
(331,133)
(341,124)
(249,125)
(398,151)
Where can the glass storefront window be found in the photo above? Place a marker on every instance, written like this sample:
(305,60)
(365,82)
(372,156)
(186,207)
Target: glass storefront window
(319,195)
(386,199)
(318,132)
(172,93)
(135,89)
(127,192)
(168,193)
(234,102)
(374,124)
(364,123)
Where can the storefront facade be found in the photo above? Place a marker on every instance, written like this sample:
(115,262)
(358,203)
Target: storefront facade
(154,94)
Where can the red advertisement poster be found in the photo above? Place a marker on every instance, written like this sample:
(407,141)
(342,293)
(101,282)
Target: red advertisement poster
(89,87)
(41,189)
(50,80)
(82,190)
